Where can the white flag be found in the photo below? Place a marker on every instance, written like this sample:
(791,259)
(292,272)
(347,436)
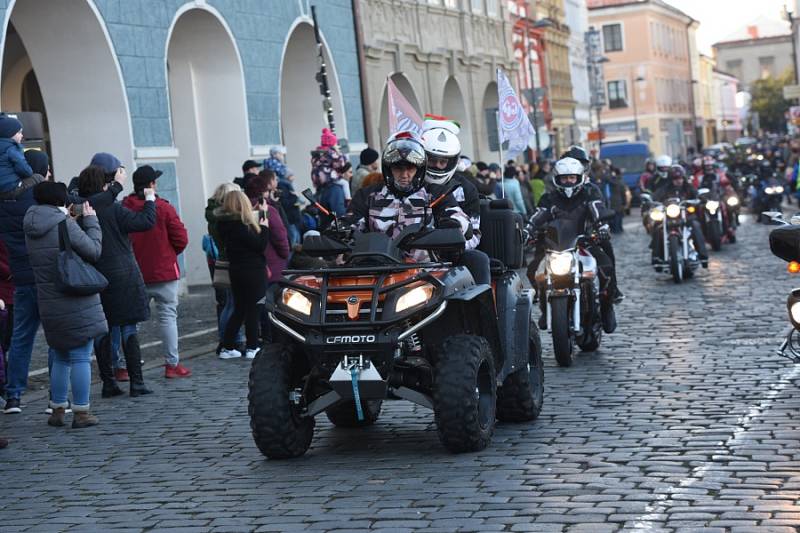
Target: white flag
(514,125)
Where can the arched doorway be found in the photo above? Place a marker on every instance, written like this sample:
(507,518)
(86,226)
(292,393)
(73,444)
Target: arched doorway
(453,107)
(58,60)
(209,119)
(489,123)
(407,90)
(302,116)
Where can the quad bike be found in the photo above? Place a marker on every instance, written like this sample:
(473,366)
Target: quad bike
(377,328)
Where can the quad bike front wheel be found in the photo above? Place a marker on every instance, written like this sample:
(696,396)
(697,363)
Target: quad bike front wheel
(278,429)
(465,393)
(344,414)
(521,397)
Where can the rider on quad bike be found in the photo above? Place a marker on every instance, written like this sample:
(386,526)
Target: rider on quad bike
(443,150)
(584,200)
(392,321)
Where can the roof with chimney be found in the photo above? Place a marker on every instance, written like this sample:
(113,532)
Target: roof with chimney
(762,28)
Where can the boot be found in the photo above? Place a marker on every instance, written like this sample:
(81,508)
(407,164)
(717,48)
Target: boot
(133,359)
(83,419)
(103,355)
(57,418)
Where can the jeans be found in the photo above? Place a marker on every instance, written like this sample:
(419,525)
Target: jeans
(225,316)
(26,324)
(165,295)
(477,263)
(117,358)
(71,367)
(294,234)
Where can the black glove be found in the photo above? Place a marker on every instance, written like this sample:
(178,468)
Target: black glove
(603,235)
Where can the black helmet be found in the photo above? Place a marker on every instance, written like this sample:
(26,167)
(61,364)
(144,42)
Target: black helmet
(577,152)
(403,150)
(677,171)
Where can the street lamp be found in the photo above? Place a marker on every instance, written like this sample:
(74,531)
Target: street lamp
(595,64)
(789,16)
(635,110)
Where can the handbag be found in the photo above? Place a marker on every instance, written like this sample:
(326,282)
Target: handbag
(75,276)
(222,275)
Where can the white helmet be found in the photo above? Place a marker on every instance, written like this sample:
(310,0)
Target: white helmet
(568,166)
(440,139)
(663,162)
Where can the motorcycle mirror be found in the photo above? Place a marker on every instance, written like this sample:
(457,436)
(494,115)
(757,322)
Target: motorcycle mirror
(310,197)
(795,220)
(646,197)
(703,191)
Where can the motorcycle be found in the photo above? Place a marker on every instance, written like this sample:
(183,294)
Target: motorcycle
(568,281)
(768,196)
(784,243)
(677,248)
(711,218)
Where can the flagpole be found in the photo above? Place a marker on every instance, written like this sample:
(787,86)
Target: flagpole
(500,149)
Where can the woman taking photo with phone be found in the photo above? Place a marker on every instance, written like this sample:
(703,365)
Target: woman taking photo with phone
(245,235)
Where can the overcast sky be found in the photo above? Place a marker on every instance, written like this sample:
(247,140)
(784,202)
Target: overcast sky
(721,18)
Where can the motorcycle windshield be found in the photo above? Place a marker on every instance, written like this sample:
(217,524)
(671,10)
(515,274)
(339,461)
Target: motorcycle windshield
(562,233)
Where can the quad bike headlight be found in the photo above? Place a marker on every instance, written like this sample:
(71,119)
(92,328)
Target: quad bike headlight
(673,211)
(778,189)
(769,190)
(414,297)
(296,301)
(560,263)
(732,201)
(656,214)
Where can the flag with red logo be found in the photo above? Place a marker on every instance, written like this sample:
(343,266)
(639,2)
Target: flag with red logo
(514,125)
(402,115)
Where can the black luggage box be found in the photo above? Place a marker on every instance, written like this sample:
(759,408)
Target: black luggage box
(502,233)
(785,243)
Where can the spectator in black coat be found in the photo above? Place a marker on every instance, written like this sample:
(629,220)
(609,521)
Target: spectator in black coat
(125,300)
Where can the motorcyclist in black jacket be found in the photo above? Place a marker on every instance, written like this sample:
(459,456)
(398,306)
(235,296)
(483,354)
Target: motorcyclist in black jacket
(584,202)
(678,186)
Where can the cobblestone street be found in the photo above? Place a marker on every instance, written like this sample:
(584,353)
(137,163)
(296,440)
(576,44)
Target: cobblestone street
(686,419)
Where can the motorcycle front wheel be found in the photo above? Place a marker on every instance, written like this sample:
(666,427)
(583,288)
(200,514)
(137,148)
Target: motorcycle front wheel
(562,339)
(675,261)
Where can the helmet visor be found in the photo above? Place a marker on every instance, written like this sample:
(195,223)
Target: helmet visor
(568,181)
(441,165)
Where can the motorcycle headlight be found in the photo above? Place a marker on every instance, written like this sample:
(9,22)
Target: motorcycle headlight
(769,190)
(414,297)
(794,313)
(712,206)
(296,301)
(732,201)
(778,189)
(673,211)
(656,214)
(560,263)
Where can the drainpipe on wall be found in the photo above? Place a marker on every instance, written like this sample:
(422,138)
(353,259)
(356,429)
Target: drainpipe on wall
(362,67)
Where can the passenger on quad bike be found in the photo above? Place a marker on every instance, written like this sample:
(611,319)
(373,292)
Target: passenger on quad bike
(574,196)
(679,187)
(443,150)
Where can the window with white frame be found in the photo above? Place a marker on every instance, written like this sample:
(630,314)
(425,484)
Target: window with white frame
(612,37)
(477,6)
(452,4)
(491,8)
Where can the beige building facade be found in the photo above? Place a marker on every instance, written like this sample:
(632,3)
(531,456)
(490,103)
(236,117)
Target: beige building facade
(750,60)
(442,55)
(649,76)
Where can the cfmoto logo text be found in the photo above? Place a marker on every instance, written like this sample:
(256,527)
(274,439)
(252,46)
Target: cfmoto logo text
(343,339)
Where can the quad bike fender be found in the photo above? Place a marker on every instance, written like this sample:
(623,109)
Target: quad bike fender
(469,311)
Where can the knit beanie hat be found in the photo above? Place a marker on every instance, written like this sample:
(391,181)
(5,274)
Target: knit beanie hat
(9,126)
(38,161)
(328,139)
(368,156)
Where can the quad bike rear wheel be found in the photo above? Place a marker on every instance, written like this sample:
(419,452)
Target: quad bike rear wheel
(278,429)
(465,393)
(344,414)
(521,397)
